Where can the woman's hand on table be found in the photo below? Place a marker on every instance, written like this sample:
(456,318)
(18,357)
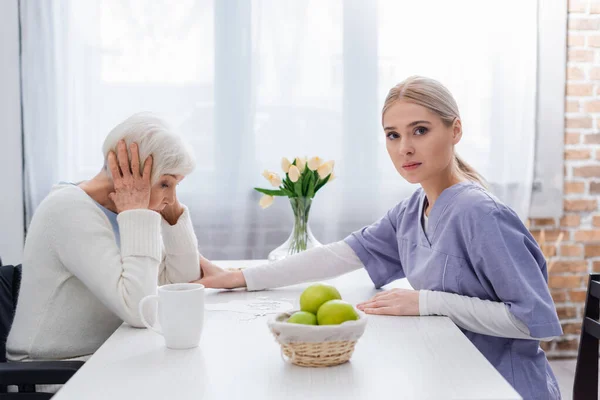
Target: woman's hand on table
(216,277)
(392,302)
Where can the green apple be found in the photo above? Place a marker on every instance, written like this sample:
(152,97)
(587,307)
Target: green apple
(335,312)
(315,295)
(303,317)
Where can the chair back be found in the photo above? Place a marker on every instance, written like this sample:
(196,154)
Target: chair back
(10,282)
(585,385)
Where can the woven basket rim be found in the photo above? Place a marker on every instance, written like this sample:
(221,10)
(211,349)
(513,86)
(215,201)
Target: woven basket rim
(278,320)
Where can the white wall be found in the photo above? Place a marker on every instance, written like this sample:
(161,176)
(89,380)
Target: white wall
(11,184)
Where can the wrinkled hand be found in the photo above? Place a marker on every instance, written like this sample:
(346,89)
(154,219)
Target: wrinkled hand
(392,302)
(217,278)
(132,190)
(172,212)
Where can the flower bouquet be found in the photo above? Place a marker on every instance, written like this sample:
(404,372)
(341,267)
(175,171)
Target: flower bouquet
(303,179)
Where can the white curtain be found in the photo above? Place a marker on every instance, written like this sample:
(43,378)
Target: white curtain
(248,82)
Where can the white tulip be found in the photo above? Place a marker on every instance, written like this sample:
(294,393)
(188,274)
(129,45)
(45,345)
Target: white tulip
(301,163)
(314,163)
(324,170)
(265,201)
(275,180)
(332,177)
(294,173)
(285,164)
(272,177)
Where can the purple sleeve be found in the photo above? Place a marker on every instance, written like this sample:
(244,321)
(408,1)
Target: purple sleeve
(377,247)
(509,264)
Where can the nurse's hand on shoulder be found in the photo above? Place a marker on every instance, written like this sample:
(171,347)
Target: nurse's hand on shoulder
(392,302)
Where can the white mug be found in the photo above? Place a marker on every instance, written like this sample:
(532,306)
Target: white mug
(180,314)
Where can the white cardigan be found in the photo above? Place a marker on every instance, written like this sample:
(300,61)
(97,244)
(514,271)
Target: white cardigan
(78,286)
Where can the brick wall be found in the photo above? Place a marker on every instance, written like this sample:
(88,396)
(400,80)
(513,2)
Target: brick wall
(579,251)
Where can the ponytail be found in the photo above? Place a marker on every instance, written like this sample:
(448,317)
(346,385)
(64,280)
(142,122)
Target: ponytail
(468,172)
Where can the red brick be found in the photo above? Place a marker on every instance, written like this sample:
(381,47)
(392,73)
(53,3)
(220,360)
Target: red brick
(593,41)
(575,40)
(595,9)
(566,345)
(559,296)
(592,106)
(596,220)
(578,122)
(583,24)
(549,250)
(550,235)
(574,188)
(579,89)
(572,106)
(565,281)
(571,250)
(543,221)
(580,205)
(594,187)
(577,6)
(596,267)
(593,138)
(589,171)
(578,154)
(575,74)
(598,151)
(569,266)
(578,296)
(571,328)
(595,73)
(592,250)
(572,138)
(546,346)
(566,312)
(579,55)
(588,235)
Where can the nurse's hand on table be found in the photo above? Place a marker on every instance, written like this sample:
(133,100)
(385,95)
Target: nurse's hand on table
(392,302)
(217,278)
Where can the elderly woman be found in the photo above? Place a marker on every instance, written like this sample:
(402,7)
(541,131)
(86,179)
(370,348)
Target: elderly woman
(96,248)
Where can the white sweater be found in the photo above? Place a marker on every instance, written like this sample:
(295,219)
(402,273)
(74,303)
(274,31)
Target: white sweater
(78,286)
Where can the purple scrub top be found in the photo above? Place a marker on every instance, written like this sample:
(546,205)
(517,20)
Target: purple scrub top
(476,247)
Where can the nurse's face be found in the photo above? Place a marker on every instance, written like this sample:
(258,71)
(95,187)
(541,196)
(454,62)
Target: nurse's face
(420,145)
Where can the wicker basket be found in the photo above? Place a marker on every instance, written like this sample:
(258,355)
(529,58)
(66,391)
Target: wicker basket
(317,346)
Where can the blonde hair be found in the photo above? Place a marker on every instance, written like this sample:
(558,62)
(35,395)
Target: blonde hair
(170,154)
(434,96)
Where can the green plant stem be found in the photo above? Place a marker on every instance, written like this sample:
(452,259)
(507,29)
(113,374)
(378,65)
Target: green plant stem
(301,209)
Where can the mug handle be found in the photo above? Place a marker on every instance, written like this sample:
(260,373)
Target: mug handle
(141,310)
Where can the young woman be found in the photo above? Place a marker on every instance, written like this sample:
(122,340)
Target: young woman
(96,248)
(467,255)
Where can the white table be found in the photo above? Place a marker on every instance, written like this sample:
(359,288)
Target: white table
(397,358)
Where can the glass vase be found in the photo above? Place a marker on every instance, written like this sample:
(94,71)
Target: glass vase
(301,237)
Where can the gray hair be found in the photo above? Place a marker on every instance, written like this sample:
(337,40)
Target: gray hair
(170,154)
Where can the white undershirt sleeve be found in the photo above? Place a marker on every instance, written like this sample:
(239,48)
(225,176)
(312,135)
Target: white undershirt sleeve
(319,263)
(474,314)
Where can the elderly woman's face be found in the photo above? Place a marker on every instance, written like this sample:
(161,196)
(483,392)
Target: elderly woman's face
(163,192)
